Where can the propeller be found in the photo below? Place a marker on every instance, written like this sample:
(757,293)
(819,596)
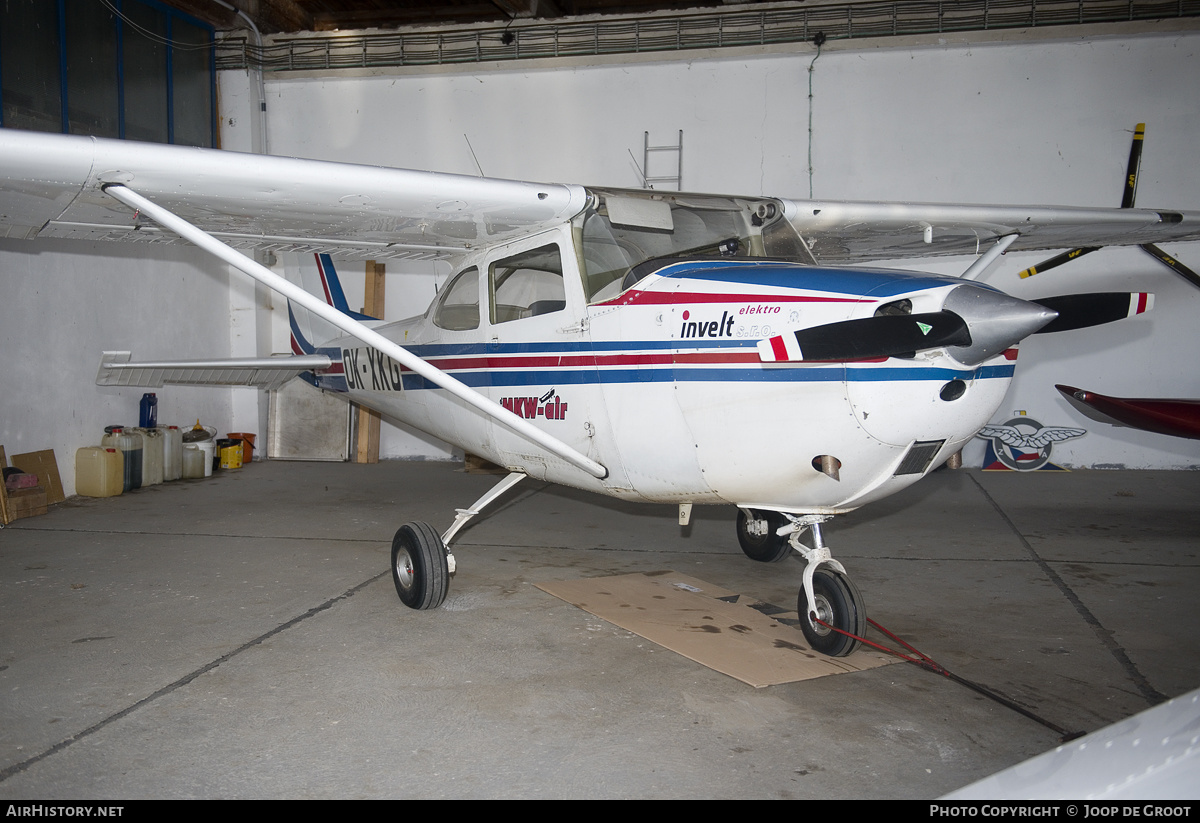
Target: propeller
(1082,311)
(1133,166)
(1057,260)
(1127,200)
(1171,263)
(868,338)
(975,325)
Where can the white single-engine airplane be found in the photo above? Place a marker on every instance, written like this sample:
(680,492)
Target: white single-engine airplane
(652,346)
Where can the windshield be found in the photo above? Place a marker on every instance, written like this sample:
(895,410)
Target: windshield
(622,229)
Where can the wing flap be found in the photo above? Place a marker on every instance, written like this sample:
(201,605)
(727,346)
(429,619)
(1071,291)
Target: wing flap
(344,249)
(261,372)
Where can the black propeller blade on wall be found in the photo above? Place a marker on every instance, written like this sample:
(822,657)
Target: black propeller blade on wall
(1171,263)
(1133,167)
(1127,200)
(1081,311)
(1057,260)
(1128,197)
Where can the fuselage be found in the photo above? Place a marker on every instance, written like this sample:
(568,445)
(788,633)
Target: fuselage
(649,366)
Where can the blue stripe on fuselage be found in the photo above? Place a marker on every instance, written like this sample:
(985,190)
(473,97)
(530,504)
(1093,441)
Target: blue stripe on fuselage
(667,374)
(432,350)
(865,282)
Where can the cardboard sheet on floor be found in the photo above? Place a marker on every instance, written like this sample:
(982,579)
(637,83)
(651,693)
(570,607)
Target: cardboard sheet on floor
(757,643)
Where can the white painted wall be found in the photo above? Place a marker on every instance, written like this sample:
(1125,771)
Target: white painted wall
(1003,122)
(64,302)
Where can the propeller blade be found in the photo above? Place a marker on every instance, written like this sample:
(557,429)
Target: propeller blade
(1135,164)
(1129,195)
(1082,311)
(1057,260)
(868,338)
(1173,264)
(1131,176)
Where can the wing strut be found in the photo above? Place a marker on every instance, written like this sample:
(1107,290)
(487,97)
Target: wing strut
(439,378)
(988,257)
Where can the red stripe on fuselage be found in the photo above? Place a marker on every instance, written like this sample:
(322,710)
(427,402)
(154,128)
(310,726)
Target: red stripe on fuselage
(610,361)
(660,298)
(552,361)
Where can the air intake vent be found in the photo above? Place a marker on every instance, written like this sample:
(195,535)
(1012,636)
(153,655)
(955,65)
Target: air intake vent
(919,456)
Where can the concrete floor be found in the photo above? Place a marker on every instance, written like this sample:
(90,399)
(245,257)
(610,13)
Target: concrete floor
(240,637)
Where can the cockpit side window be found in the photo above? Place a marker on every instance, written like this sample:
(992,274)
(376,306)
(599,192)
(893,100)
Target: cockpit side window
(458,310)
(527,285)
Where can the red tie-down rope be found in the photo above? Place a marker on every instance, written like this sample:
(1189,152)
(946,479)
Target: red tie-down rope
(924,661)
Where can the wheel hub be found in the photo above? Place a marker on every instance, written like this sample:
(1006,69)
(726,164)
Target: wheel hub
(824,612)
(404,570)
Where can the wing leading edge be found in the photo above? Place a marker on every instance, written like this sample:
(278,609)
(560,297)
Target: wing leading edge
(51,185)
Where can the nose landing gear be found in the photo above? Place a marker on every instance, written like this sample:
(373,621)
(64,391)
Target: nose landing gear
(836,602)
(829,603)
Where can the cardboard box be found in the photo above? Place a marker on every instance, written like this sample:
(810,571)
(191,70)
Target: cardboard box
(26,503)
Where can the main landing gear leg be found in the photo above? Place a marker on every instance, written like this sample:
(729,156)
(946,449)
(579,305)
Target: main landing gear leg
(828,594)
(422,564)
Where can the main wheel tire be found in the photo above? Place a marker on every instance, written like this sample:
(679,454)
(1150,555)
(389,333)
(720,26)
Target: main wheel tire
(839,604)
(419,567)
(765,548)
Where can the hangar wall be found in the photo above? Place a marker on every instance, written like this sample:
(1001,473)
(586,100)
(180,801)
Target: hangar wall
(64,302)
(1043,121)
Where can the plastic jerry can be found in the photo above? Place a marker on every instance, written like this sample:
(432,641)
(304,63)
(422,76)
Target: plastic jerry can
(130,446)
(99,471)
(172,452)
(152,456)
(194,462)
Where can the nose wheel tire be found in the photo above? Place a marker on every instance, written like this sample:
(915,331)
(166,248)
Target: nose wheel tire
(419,566)
(765,546)
(839,604)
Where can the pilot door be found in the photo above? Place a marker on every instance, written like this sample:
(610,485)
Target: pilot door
(538,357)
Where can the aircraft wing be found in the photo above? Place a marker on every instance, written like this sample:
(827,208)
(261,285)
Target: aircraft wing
(51,186)
(844,232)
(260,372)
